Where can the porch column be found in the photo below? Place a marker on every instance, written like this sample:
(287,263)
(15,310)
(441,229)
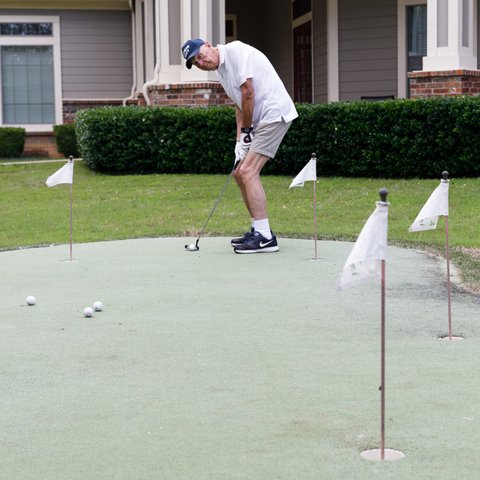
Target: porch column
(180,20)
(451,35)
(203,19)
(167,38)
(332,51)
(177,21)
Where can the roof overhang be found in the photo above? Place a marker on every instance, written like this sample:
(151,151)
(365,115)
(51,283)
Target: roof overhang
(66,4)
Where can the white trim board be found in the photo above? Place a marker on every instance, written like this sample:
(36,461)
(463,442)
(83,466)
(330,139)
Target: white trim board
(333,76)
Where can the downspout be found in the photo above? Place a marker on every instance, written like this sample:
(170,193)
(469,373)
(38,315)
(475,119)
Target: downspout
(150,83)
(134,55)
(156,70)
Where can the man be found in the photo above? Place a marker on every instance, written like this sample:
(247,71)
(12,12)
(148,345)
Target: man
(264,113)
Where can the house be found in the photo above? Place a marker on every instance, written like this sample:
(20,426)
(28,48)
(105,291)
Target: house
(59,56)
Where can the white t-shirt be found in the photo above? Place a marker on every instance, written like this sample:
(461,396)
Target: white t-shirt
(238,62)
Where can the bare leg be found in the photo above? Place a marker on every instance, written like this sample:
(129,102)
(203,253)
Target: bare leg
(245,199)
(247,176)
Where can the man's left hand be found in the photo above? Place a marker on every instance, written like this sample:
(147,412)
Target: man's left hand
(243,146)
(240,153)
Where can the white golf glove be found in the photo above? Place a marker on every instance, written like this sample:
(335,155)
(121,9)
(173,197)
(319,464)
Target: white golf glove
(239,153)
(243,145)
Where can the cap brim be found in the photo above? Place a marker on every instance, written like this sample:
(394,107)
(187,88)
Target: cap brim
(193,54)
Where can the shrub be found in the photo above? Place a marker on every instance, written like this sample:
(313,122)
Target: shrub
(157,139)
(12,142)
(389,139)
(66,139)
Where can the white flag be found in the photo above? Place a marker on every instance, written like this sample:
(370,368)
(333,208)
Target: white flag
(63,175)
(370,248)
(436,205)
(309,172)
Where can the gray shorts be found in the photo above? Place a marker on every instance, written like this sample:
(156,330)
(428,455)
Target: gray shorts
(268,137)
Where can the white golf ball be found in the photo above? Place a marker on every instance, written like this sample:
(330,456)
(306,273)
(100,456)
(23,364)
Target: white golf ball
(31,300)
(192,248)
(98,306)
(88,312)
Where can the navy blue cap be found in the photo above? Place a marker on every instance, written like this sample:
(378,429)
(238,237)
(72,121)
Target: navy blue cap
(190,48)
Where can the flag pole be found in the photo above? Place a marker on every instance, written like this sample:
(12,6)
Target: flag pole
(382,373)
(371,245)
(382,453)
(383,196)
(449,287)
(71,215)
(447,255)
(314,157)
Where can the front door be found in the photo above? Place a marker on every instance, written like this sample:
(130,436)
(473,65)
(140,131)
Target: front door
(302,63)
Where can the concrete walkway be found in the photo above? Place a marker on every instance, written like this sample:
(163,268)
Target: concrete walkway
(28,162)
(210,365)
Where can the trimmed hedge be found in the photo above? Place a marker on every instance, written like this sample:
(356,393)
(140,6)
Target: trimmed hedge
(66,139)
(157,139)
(12,142)
(388,139)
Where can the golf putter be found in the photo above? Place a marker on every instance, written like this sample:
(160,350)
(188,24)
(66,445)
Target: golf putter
(194,247)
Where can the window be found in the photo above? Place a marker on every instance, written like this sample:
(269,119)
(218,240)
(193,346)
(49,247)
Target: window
(230,28)
(27,85)
(411,40)
(416,36)
(30,76)
(26,29)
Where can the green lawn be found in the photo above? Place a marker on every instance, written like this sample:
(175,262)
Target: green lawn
(118,207)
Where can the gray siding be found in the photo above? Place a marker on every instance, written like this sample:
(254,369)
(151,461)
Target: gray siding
(277,33)
(319,29)
(96,52)
(269,29)
(367,48)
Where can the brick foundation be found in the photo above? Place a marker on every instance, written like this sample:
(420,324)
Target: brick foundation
(41,144)
(71,107)
(175,95)
(189,94)
(444,84)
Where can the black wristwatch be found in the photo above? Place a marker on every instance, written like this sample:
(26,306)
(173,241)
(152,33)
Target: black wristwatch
(246,130)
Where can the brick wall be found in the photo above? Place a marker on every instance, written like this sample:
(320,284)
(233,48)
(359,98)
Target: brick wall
(443,84)
(189,94)
(71,107)
(41,145)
